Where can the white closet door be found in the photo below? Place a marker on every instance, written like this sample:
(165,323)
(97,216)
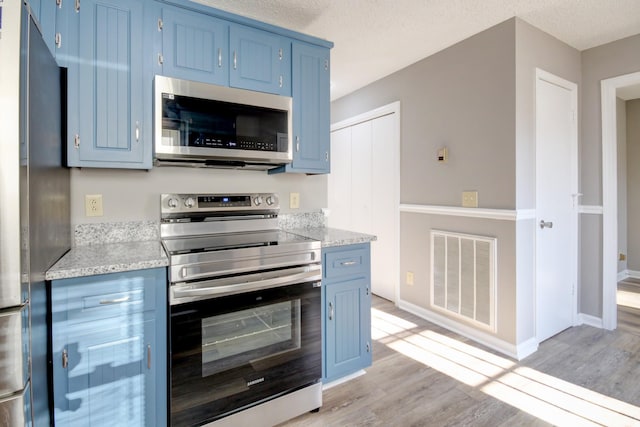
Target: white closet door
(361,175)
(384,209)
(363,190)
(339,180)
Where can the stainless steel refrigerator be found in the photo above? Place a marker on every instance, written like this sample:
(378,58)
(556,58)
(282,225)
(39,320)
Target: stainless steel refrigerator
(34,211)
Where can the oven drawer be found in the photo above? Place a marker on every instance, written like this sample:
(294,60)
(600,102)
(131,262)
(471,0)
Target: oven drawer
(345,261)
(103,296)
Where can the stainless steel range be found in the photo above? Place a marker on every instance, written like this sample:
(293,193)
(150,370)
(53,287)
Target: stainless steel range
(245,312)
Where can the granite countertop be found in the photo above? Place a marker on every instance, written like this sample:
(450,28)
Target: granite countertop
(333,236)
(108,258)
(119,249)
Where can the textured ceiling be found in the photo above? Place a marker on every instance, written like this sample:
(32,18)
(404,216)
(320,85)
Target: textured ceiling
(374,38)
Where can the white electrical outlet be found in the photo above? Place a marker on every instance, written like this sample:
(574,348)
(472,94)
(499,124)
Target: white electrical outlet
(93,205)
(294,200)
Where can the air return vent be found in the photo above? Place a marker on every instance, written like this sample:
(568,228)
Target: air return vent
(463,271)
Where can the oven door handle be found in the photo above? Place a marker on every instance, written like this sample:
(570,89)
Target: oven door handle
(221,290)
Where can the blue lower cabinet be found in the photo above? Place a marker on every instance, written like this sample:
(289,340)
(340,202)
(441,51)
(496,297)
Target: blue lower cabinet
(109,349)
(347,310)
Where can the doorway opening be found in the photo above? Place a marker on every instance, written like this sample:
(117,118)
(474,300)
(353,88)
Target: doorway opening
(611,89)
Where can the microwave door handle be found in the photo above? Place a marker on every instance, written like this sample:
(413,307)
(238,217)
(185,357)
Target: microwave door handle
(275,282)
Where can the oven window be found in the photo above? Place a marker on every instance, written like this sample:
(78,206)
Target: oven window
(249,336)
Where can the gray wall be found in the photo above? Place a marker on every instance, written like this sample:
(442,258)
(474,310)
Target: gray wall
(535,49)
(134,195)
(477,98)
(602,62)
(633,184)
(621,132)
(462,98)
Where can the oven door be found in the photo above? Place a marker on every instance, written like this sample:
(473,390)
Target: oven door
(231,352)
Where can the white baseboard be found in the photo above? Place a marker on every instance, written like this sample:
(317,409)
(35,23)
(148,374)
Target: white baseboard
(624,274)
(589,320)
(517,352)
(634,274)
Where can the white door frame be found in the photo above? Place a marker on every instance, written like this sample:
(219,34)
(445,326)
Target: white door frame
(542,75)
(385,110)
(609,88)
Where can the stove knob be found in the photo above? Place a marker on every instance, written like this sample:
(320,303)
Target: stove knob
(173,203)
(257,201)
(270,200)
(189,202)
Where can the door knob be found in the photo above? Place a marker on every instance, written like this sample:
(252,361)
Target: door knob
(544,224)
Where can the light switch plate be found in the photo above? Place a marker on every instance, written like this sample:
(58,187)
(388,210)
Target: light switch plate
(294,200)
(410,278)
(469,199)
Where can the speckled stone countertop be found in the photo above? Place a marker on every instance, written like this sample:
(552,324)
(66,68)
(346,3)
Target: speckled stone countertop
(116,247)
(333,236)
(108,258)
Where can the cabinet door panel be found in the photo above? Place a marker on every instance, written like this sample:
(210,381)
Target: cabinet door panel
(108,78)
(348,331)
(107,380)
(259,61)
(109,349)
(195,47)
(311,125)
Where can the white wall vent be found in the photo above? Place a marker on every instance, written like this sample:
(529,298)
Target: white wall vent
(463,276)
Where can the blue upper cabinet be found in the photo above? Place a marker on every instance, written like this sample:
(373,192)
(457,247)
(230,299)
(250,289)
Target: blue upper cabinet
(108,118)
(260,60)
(44,11)
(194,46)
(310,90)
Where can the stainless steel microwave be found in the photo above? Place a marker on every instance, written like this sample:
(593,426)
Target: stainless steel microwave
(200,124)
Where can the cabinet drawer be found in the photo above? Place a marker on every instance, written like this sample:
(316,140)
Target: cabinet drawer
(346,261)
(103,296)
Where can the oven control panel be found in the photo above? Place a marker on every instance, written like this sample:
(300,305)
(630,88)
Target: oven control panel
(203,203)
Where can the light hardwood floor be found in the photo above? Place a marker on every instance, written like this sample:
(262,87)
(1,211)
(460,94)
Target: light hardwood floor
(424,375)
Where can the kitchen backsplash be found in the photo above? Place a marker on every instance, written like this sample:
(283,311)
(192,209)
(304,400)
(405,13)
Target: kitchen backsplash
(138,231)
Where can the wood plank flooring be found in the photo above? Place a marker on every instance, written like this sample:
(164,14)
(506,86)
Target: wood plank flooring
(629,317)
(424,375)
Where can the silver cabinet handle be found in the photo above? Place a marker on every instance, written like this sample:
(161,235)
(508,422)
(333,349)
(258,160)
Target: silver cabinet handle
(330,311)
(219,57)
(544,224)
(297,143)
(65,358)
(368,347)
(347,263)
(114,301)
(137,131)
(235,60)
(280,81)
